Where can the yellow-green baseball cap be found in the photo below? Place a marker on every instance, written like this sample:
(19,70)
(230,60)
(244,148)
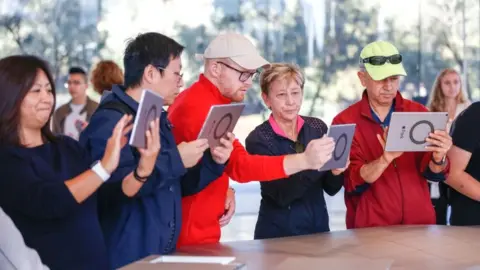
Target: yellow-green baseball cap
(380,72)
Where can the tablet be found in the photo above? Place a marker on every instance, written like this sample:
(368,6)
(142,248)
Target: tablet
(408,130)
(343,136)
(149,109)
(220,120)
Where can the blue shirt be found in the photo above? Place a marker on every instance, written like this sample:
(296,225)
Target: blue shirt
(65,234)
(150,222)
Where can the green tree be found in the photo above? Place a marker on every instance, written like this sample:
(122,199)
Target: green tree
(53,30)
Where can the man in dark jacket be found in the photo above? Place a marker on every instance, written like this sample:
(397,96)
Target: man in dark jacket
(148,221)
(387,188)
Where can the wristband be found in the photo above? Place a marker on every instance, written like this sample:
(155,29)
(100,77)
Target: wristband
(138,177)
(100,171)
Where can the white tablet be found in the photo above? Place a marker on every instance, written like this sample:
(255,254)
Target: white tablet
(220,120)
(149,109)
(408,130)
(343,136)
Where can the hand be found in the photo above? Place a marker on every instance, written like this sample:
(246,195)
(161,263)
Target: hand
(388,156)
(221,153)
(341,170)
(148,155)
(84,124)
(229,208)
(115,143)
(319,152)
(441,142)
(192,151)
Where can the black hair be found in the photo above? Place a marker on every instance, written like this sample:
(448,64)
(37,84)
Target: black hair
(78,70)
(17,76)
(148,49)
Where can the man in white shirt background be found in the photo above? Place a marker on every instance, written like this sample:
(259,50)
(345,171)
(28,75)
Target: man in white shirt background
(73,117)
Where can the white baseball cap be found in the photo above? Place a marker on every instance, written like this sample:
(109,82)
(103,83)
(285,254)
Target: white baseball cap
(236,47)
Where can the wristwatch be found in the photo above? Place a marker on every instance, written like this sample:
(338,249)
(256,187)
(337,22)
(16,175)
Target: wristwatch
(100,171)
(442,162)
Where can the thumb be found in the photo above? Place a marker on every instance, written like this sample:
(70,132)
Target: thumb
(380,140)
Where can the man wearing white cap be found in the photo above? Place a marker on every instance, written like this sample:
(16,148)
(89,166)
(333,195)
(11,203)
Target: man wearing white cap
(231,62)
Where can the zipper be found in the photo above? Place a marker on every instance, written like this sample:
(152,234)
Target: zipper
(401,188)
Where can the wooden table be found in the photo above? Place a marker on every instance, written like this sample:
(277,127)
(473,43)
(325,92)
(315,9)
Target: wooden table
(398,247)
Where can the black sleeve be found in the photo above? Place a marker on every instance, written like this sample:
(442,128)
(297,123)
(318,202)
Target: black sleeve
(332,183)
(466,128)
(286,190)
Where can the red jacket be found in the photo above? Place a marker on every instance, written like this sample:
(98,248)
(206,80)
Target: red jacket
(201,212)
(400,195)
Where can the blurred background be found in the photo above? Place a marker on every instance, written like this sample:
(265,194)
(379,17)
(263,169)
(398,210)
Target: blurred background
(324,37)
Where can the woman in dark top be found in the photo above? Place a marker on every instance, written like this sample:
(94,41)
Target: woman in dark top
(295,205)
(47,183)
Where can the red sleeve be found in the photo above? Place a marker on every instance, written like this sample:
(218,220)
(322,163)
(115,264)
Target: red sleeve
(352,175)
(242,167)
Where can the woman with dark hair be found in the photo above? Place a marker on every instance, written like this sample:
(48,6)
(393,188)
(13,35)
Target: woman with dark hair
(48,183)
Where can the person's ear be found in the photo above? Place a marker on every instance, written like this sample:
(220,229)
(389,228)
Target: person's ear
(266,100)
(362,77)
(149,74)
(215,68)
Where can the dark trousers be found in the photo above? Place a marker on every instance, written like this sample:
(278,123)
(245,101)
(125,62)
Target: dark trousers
(441,204)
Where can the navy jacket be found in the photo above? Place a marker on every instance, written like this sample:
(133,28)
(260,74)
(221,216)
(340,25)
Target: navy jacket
(294,205)
(66,235)
(150,222)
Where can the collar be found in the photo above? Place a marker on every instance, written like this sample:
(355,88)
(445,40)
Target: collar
(365,109)
(386,121)
(210,87)
(89,107)
(119,92)
(276,128)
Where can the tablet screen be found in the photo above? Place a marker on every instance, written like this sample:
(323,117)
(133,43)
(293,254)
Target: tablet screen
(343,136)
(408,130)
(220,120)
(149,109)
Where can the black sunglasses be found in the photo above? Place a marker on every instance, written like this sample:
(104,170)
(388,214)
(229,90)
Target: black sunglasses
(244,75)
(381,60)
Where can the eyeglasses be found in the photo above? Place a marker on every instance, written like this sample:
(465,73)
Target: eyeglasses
(298,147)
(244,75)
(73,82)
(178,74)
(381,60)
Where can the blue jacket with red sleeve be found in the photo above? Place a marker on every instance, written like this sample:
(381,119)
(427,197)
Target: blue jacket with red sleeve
(400,195)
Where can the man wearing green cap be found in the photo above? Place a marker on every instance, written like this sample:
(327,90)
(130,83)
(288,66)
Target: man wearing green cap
(387,188)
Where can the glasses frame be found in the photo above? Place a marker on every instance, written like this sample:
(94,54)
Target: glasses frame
(244,75)
(178,74)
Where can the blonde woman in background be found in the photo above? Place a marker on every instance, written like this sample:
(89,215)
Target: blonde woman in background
(446,96)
